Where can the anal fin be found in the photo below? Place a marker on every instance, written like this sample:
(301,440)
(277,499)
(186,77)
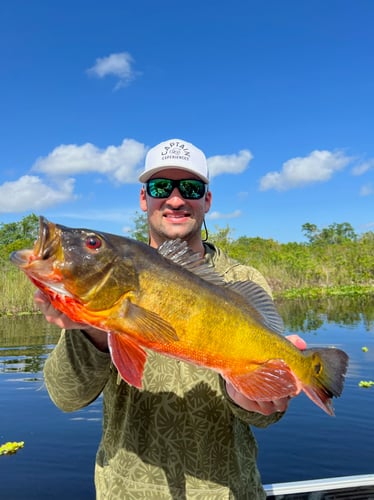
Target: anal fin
(266,381)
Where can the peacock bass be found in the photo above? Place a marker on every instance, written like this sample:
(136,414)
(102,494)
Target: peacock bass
(170,300)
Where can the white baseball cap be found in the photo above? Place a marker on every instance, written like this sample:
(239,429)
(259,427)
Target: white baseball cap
(178,154)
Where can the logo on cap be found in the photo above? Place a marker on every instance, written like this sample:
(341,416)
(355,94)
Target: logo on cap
(175,151)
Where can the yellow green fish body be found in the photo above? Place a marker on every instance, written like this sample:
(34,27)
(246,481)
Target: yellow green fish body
(170,301)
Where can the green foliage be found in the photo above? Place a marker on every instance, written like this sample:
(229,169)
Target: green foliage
(140,231)
(222,238)
(18,235)
(16,291)
(335,233)
(26,228)
(333,258)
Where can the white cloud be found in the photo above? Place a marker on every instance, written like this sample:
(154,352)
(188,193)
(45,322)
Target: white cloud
(363,167)
(118,162)
(230,164)
(30,193)
(118,65)
(319,166)
(367,190)
(218,215)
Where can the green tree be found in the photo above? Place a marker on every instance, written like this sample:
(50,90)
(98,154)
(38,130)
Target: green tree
(333,234)
(18,235)
(310,231)
(222,238)
(140,231)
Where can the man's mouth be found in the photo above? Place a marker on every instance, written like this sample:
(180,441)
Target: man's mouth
(176,216)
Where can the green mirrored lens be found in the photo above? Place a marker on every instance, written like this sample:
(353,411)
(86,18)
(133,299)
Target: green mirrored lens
(190,189)
(160,188)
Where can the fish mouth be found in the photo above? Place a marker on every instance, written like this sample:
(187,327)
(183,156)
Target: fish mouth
(45,246)
(48,240)
(39,263)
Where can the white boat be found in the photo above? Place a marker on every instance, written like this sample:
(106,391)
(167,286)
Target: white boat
(360,487)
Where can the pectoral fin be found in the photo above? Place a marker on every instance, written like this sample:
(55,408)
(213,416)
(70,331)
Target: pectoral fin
(128,358)
(143,324)
(266,381)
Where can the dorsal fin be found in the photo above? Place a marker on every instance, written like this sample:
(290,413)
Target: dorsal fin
(258,298)
(180,253)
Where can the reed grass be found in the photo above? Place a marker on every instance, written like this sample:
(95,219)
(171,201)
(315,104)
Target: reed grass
(16,291)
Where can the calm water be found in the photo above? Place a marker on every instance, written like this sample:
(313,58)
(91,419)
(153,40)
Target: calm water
(59,453)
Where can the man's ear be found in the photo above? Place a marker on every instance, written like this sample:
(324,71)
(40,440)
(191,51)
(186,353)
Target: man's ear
(143,200)
(208,201)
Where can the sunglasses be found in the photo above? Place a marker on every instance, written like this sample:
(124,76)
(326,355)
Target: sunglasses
(190,189)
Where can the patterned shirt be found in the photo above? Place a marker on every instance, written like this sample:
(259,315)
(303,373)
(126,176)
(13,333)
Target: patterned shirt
(180,437)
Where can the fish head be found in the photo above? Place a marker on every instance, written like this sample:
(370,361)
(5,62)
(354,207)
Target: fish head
(78,266)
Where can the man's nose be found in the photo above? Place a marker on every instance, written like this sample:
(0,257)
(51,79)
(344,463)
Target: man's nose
(175,197)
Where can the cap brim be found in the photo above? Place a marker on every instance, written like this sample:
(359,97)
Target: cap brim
(146,175)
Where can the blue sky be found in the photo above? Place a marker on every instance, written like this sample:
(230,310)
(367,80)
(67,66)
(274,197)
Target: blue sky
(278,94)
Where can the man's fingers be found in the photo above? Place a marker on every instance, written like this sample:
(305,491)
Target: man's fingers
(297,341)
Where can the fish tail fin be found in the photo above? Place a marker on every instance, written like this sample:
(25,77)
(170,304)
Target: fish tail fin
(328,369)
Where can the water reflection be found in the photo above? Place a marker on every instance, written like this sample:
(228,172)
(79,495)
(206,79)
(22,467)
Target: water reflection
(306,315)
(25,343)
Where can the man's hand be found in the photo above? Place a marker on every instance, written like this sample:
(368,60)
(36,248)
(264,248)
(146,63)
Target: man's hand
(266,407)
(52,315)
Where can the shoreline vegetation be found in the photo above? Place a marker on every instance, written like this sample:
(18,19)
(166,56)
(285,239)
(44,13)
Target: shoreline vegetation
(333,262)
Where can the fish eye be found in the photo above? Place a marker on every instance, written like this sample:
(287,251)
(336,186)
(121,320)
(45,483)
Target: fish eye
(93,242)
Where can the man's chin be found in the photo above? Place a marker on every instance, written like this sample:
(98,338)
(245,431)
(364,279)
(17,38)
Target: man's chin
(172,233)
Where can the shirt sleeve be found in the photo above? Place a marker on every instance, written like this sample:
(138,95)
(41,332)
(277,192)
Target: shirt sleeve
(75,372)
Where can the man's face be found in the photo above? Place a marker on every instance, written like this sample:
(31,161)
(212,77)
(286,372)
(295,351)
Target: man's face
(175,217)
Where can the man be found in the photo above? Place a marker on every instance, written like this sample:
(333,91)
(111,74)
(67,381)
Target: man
(186,434)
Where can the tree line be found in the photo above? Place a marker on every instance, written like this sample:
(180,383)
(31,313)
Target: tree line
(333,258)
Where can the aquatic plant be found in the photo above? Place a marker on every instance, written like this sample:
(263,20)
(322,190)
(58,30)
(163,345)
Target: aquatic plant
(11,447)
(366,383)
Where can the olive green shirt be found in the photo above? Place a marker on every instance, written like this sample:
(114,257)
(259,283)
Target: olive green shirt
(180,437)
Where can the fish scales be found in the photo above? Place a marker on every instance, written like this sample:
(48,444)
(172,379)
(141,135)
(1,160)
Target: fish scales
(206,321)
